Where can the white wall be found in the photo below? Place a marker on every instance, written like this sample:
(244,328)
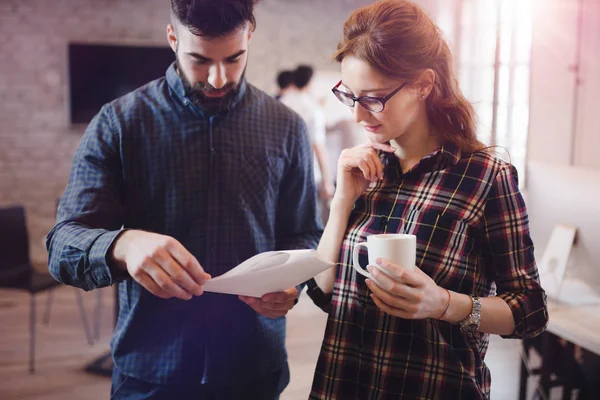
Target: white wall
(588,116)
(566,195)
(565,89)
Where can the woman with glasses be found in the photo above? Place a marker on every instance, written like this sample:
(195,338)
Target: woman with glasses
(423,332)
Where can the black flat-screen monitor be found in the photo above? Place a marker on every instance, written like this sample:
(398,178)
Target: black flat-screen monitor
(99,73)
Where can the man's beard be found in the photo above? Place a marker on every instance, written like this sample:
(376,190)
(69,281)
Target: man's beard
(212,105)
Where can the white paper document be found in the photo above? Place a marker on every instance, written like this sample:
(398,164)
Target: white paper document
(272,271)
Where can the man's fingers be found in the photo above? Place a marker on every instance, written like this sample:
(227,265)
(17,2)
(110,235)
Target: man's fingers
(277,306)
(146,281)
(177,273)
(188,262)
(281,297)
(268,309)
(260,308)
(258,303)
(164,281)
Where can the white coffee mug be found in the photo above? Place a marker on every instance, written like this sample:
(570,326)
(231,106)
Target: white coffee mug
(399,248)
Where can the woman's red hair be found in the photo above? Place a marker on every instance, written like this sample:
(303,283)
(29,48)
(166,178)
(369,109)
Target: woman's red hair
(398,39)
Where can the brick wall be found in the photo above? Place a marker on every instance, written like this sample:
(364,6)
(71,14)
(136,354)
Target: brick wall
(36,140)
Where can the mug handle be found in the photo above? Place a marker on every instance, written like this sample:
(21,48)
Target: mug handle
(355,263)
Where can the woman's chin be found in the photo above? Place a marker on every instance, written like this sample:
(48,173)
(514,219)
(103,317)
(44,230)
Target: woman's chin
(379,138)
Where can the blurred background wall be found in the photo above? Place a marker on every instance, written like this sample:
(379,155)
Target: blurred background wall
(37,140)
(531,68)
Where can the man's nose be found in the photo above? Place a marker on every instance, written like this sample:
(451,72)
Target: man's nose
(216,76)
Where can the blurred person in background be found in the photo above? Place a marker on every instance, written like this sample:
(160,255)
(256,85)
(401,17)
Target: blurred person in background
(285,81)
(344,133)
(422,332)
(299,99)
(181,180)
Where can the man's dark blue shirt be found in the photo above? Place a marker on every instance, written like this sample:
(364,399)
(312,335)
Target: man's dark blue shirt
(227,186)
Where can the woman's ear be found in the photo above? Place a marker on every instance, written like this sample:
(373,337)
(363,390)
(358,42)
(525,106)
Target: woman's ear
(425,83)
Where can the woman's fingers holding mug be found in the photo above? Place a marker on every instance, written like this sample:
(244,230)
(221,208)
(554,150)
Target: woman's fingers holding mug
(393,285)
(392,299)
(406,275)
(384,283)
(391,310)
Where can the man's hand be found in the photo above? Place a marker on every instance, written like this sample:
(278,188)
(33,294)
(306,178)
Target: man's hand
(160,264)
(273,305)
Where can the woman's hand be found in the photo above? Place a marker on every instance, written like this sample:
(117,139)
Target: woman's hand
(408,294)
(357,168)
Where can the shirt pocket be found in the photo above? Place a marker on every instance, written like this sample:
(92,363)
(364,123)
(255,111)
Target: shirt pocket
(444,247)
(259,179)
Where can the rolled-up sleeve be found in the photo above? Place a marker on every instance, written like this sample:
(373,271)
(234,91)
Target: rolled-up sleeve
(90,211)
(509,255)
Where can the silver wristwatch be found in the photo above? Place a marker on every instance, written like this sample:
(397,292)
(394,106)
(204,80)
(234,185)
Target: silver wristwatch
(471,323)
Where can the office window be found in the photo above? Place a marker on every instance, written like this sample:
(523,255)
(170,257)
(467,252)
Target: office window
(492,42)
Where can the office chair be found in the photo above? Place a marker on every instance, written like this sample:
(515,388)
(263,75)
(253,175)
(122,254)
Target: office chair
(17,272)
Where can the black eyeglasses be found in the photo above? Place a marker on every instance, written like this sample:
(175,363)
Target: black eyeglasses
(372,104)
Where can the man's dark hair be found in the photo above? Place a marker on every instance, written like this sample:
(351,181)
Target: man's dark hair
(213,18)
(285,79)
(302,76)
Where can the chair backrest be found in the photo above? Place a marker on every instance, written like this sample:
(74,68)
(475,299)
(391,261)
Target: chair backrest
(14,240)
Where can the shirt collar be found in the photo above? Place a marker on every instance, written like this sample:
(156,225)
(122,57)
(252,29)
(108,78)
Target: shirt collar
(441,158)
(448,152)
(175,82)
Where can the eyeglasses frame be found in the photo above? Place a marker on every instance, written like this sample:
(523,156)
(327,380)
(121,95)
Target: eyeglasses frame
(358,99)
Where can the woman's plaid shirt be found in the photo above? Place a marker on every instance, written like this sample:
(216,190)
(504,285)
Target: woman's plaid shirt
(472,237)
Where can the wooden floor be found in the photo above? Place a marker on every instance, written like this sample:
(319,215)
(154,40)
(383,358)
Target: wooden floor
(62,350)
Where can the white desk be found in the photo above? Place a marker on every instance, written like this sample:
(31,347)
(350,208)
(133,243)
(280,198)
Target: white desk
(579,325)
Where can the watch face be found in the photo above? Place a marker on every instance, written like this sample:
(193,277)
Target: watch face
(470,325)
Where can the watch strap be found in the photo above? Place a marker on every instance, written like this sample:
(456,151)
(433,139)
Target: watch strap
(321,300)
(472,322)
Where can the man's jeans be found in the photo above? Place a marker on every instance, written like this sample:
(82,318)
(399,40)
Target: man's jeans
(269,388)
